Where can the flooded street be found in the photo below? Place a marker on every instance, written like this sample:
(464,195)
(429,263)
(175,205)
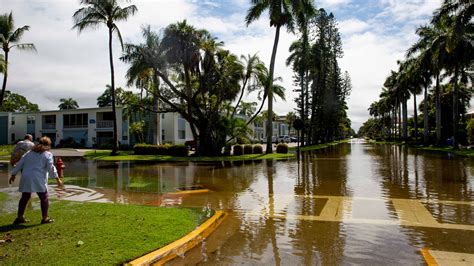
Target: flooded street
(352,203)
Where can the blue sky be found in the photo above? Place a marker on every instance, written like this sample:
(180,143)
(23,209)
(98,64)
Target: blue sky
(375,33)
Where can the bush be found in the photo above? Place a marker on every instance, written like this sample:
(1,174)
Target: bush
(178,150)
(227,149)
(248,149)
(238,150)
(257,149)
(470,131)
(282,148)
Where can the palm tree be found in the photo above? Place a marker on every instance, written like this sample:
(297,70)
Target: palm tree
(9,39)
(145,60)
(67,103)
(106,12)
(253,67)
(282,13)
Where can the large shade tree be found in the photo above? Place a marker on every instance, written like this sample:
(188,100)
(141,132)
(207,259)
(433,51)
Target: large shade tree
(283,13)
(10,37)
(108,13)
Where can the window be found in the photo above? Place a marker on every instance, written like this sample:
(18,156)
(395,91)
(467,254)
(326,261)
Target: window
(75,120)
(162,134)
(30,120)
(125,138)
(13,120)
(163,116)
(182,134)
(13,137)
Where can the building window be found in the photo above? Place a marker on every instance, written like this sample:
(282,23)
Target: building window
(162,134)
(163,116)
(75,121)
(13,120)
(125,138)
(13,137)
(182,134)
(30,120)
(49,121)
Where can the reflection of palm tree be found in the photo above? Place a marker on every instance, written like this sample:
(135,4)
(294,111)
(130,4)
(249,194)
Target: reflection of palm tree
(107,12)
(67,103)
(9,39)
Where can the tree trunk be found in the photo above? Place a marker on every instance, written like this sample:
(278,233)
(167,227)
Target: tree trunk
(270,92)
(112,83)
(240,98)
(455,108)
(156,119)
(405,119)
(5,76)
(438,111)
(425,116)
(415,135)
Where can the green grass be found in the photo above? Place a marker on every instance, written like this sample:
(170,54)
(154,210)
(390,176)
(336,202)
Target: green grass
(104,155)
(319,146)
(445,149)
(5,151)
(92,233)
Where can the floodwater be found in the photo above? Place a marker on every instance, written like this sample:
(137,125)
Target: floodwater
(355,203)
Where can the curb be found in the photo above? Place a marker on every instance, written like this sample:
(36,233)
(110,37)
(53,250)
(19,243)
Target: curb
(183,244)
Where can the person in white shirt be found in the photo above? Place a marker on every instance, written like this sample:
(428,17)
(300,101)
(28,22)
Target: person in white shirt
(35,166)
(21,148)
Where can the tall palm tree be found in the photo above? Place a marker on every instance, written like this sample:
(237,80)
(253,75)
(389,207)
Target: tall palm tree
(67,104)
(282,13)
(104,12)
(253,66)
(9,39)
(145,60)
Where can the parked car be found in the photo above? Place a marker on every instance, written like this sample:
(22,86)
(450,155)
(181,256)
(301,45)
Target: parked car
(293,139)
(284,138)
(190,144)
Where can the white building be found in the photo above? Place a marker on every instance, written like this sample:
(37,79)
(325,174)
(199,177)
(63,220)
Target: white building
(87,126)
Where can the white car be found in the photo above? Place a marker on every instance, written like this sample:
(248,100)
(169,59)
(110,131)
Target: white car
(284,138)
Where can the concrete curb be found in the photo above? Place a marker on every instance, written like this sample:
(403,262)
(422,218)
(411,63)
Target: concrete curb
(182,245)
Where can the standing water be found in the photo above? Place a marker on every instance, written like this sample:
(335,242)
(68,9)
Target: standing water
(352,203)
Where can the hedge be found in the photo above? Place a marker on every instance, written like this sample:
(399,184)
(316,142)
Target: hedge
(257,149)
(238,150)
(282,148)
(248,149)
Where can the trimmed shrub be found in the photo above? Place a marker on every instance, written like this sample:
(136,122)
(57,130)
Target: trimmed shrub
(248,149)
(282,148)
(227,149)
(178,150)
(238,150)
(257,149)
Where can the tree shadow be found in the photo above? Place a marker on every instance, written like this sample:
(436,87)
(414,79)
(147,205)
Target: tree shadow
(13,227)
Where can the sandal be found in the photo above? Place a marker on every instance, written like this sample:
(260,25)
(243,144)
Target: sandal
(47,221)
(20,220)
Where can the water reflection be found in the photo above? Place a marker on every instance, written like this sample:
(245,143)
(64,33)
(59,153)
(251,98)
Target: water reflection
(352,203)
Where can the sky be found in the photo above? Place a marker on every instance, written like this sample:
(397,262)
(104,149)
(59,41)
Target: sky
(375,34)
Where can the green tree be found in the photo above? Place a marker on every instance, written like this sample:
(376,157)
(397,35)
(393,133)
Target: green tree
(282,13)
(67,103)
(9,39)
(104,12)
(17,103)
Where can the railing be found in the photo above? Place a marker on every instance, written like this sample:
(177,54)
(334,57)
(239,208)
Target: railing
(49,126)
(105,124)
(75,126)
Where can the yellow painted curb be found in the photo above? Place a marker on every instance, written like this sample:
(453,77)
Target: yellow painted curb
(429,259)
(182,245)
(185,192)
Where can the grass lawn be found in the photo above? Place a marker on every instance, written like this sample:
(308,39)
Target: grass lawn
(92,233)
(319,146)
(5,151)
(446,149)
(104,155)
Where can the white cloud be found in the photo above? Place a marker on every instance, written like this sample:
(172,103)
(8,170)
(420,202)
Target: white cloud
(332,3)
(351,26)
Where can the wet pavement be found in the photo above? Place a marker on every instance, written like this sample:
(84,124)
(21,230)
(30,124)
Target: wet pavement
(354,203)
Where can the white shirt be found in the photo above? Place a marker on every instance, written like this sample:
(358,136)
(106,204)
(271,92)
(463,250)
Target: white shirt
(36,167)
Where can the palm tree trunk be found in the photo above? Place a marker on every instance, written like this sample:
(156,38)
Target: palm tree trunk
(438,111)
(156,116)
(455,108)
(240,98)
(112,83)
(405,119)
(270,92)
(415,118)
(5,75)
(425,116)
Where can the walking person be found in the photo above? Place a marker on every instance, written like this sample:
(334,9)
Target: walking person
(36,165)
(21,148)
